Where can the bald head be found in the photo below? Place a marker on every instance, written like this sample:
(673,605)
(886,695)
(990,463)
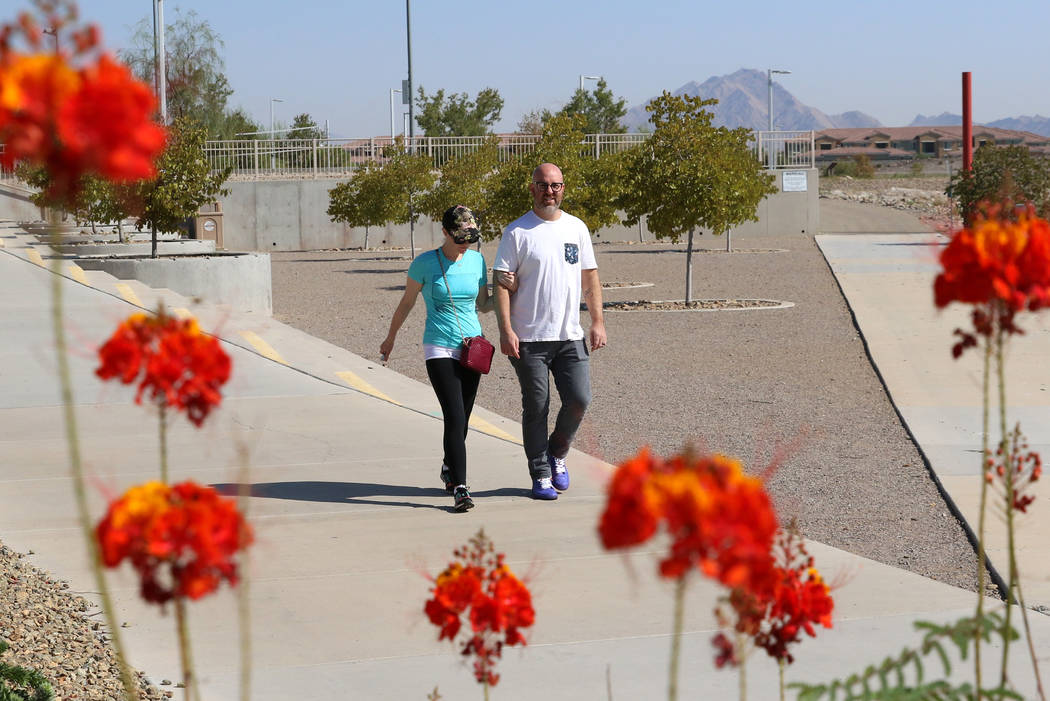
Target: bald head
(547,189)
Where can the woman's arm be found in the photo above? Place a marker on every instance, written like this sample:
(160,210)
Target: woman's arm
(408,300)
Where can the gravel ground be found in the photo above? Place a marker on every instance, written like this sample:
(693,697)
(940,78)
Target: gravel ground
(741,382)
(59,634)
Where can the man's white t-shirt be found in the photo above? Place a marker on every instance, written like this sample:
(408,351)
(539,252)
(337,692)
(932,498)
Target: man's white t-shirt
(547,257)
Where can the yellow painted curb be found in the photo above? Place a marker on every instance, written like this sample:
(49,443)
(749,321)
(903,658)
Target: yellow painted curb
(34,256)
(359,384)
(77,273)
(264,348)
(493,430)
(128,294)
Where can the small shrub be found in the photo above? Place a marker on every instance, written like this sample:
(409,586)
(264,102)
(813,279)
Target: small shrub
(21,684)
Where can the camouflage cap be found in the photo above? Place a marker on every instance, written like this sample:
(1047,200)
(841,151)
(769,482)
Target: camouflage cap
(459,218)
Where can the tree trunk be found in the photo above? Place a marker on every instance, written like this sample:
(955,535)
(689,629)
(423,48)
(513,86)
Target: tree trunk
(729,240)
(689,269)
(366,237)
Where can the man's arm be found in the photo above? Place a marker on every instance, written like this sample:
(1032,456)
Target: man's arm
(508,340)
(592,295)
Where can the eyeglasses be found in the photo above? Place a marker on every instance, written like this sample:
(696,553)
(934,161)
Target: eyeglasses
(553,187)
(470,237)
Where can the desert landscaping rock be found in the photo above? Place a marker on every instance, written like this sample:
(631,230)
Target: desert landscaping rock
(696,305)
(58,633)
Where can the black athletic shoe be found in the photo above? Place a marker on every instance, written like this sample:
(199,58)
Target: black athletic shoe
(463,500)
(446,478)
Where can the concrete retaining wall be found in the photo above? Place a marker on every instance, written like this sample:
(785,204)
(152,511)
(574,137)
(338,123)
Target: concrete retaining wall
(240,280)
(138,248)
(291,215)
(15,204)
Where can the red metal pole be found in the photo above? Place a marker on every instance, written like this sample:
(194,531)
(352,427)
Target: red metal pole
(967,123)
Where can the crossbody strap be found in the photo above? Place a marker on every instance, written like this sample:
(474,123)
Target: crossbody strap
(437,252)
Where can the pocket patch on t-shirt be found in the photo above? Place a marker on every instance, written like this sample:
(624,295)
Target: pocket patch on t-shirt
(572,253)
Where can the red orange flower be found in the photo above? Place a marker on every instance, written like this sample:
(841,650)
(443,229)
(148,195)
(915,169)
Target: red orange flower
(181,539)
(1021,468)
(180,366)
(720,520)
(74,115)
(1001,265)
(792,599)
(498,604)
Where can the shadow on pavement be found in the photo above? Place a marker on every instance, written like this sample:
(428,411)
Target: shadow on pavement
(353,492)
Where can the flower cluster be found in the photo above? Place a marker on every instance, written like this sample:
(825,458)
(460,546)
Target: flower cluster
(722,522)
(74,113)
(180,366)
(1000,264)
(793,598)
(719,519)
(1021,468)
(499,605)
(180,538)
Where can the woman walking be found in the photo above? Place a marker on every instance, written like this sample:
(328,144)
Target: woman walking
(453,281)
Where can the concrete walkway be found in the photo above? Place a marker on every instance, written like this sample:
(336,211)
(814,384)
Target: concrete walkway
(888,282)
(349,514)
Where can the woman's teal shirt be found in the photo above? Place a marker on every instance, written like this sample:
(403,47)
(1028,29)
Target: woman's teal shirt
(465,278)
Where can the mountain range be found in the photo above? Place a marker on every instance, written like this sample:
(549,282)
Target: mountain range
(743,99)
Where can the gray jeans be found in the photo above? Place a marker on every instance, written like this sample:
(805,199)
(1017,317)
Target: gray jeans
(569,363)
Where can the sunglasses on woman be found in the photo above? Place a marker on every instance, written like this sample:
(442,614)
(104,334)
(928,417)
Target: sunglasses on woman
(468,237)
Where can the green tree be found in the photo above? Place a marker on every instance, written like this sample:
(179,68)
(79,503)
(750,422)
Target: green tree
(465,180)
(691,175)
(458,115)
(601,110)
(237,125)
(591,185)
(184,180)
(196,85)
(304,127)
(392,191)
(361,201)
(1003,172)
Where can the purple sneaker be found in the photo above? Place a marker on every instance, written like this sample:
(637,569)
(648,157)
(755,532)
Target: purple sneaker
(543,489)
(559,473)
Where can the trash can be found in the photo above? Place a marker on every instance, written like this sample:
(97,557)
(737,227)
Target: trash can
(208,223)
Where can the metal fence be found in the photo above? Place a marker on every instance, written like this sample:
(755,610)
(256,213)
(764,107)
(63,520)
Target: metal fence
(785,149)
(280,158)
(319,158)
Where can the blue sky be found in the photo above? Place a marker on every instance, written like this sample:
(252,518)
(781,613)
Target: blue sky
(892,60)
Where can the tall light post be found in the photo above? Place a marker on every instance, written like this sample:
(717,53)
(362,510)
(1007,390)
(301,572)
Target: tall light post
(272,132)
(769,81)
(392,91)
(588,77)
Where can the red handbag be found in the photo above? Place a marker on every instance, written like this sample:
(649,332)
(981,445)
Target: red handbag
(477,352)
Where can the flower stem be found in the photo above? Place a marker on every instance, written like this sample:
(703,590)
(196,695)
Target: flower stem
(163,427)
(780,669)
(742,656)
(1004,447)
(244,608)
(182,626)
(76,467)
(485,688)
(985,421)
(676,637)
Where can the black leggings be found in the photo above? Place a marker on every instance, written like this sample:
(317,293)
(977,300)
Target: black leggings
(455,387)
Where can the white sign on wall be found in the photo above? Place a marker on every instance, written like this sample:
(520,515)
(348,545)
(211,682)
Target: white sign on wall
(794,181)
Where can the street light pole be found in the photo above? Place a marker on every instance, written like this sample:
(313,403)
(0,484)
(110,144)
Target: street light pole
(272,131)
(588,77)
(769,81)
(392,91)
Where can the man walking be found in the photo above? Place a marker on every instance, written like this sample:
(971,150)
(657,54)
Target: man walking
(550,252)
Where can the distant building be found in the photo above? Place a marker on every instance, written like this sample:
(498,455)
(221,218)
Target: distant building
(905,143)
